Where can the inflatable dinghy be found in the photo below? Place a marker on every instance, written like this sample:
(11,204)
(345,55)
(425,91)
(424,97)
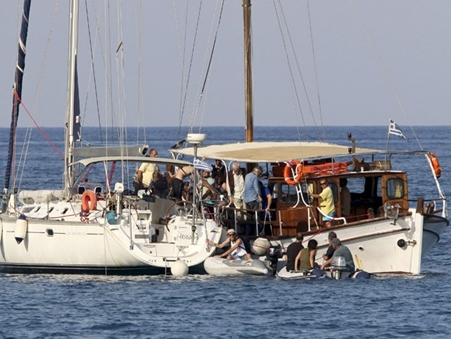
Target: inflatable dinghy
(222,267)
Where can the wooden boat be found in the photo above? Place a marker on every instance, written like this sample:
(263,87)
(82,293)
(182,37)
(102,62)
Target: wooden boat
(387,228)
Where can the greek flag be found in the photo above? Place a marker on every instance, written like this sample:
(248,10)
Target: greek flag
(394,129)
(202,165)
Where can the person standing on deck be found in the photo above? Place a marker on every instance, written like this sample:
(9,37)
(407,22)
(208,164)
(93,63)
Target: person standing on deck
(327,202)
(266,202)
(252,198)
(177,181)
(345,198)
(235,186)
(145,172)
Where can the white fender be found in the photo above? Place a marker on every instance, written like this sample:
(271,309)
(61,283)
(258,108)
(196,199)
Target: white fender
(21,229)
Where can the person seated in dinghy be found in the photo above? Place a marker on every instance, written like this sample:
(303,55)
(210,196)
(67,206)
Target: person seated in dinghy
(293,251)
(341,251)
(237,249)
(306,257)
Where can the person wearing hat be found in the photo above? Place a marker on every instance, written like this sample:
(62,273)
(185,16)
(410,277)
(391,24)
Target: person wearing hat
(237,249)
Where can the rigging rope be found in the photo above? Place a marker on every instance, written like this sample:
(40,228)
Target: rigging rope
(93,73)
(139,92)
(46,137)
(185,89)
(383,69)
(315,68)
(208,69)
(24,154)
(293,82)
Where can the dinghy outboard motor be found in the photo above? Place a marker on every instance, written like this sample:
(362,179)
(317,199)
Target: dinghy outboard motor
(337,265)
(273,255)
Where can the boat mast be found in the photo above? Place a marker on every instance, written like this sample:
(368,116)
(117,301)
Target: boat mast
(17,94)
(248,71)
(71,95)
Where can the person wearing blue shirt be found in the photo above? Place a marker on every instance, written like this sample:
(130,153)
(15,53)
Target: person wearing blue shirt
(265,215)
(252,197)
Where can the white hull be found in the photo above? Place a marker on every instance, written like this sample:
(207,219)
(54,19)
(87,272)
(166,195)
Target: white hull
(224,267)
(92,245)
(432,230)
(382,246)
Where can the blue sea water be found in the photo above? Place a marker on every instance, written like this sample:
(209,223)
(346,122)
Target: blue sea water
(202,306)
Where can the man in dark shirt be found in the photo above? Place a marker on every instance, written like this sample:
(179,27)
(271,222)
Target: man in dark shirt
(293,250)
(330,250)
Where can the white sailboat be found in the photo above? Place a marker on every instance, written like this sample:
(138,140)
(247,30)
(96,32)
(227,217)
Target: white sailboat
(96,225)
(386,228)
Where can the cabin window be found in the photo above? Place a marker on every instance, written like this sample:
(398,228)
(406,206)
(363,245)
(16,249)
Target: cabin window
(395,188)
(356,185)
(288,194)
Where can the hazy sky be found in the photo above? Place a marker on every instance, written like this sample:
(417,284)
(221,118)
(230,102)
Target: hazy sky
(372,61)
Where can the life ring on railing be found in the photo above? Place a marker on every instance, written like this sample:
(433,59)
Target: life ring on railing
(88,201)
(287,172)
(435,165)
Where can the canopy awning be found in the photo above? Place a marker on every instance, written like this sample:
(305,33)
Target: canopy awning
(264,152)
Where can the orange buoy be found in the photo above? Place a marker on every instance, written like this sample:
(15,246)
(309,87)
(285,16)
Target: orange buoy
(435,165)
(293,181)
(88,201)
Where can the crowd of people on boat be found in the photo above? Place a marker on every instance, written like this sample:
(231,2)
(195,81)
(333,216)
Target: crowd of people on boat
(247,193)
(235,188)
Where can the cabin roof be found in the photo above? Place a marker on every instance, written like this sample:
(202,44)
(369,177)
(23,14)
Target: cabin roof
(253,152)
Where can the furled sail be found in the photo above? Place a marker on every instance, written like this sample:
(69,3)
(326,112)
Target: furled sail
(17,93)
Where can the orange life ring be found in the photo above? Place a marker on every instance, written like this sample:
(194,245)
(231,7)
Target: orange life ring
(435,165)
(287,172)
(88,201)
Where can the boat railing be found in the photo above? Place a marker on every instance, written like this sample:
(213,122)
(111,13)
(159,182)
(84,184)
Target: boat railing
(272,217)
(303,218)
(343,219)
(432,206)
